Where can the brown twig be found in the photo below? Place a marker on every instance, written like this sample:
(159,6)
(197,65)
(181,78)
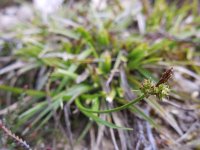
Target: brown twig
(68,126)
(13,136)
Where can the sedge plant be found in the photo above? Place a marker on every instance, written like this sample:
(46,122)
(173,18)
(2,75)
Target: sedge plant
(148,87)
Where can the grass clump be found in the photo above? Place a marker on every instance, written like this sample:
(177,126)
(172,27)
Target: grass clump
(86,62)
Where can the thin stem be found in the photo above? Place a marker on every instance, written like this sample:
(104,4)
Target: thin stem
(78,103)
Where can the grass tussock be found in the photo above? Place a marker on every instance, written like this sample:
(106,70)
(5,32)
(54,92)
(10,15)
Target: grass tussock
(78,75)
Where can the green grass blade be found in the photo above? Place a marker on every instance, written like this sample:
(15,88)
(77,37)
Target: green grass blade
(103,122)
(17,90)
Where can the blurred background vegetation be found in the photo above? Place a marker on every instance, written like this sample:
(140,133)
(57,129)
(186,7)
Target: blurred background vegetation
(61,61)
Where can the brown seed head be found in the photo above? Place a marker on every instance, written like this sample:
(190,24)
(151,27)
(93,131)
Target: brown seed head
(165,76)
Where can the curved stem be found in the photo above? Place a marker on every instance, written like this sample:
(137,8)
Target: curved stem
(80,106)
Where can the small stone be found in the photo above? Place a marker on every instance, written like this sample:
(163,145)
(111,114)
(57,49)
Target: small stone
(195,94)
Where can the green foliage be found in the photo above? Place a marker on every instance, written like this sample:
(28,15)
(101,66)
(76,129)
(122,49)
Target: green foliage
(81,64)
